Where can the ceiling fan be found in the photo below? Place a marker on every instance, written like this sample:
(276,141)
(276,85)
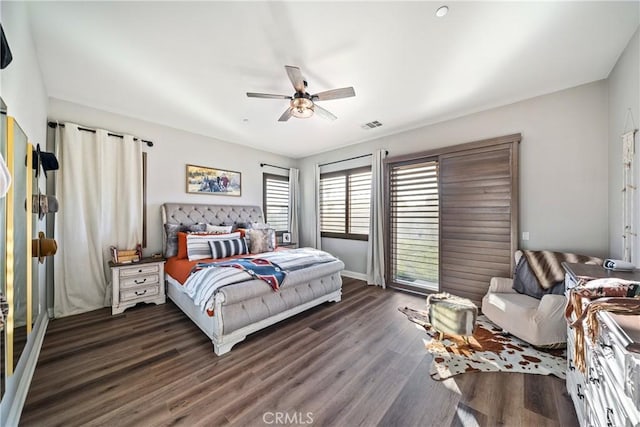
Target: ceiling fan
(302,105)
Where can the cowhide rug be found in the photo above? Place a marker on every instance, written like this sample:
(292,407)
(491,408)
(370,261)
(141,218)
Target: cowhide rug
(488,350)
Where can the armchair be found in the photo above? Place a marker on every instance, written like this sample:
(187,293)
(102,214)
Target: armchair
(539,322)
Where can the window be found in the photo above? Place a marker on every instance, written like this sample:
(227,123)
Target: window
(414,207)
(275,192)
(344,204)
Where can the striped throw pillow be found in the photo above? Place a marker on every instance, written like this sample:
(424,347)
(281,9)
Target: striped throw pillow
(198,244)
(226,248)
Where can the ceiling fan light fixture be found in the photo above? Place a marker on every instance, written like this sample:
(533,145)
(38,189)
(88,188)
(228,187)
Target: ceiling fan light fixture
(302,108)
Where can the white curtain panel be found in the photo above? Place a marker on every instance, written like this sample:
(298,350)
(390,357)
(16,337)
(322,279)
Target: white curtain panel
(375,250)
(100,196)
(318,239)
(294,202)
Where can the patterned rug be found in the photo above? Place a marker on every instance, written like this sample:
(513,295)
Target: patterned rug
(488,350)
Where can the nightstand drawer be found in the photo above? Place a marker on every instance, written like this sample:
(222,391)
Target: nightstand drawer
(138,281)
(139,292)
(139,269)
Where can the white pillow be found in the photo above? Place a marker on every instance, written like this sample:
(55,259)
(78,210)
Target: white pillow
(219,229)
(198,244)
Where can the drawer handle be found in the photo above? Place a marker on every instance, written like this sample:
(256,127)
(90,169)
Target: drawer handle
(579,393)
(609,416)
(141,293)
(140,281)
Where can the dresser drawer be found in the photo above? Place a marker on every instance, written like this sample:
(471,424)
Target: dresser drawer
(612,350)
(139,270)
(607,406)
(135,281)
(139,292)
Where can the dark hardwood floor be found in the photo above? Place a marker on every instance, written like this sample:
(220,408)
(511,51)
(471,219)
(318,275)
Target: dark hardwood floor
(357,362)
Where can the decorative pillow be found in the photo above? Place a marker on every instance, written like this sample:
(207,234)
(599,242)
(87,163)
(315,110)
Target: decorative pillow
(172,236)
(219,229)
(198,244)
(182,241)
(226,248)
(262,240)
(525,282)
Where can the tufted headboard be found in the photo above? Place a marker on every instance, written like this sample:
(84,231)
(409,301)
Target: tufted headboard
(189,213)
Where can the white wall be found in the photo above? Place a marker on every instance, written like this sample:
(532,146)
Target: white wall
(624,95)
(22,89)
(563,170)
(166,161)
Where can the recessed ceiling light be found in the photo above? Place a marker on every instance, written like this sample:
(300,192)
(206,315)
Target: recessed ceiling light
(442,11)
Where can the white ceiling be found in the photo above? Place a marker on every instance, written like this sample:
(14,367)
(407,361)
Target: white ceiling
(189,65)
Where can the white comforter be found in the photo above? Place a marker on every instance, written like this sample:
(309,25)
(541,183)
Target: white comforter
(202,285)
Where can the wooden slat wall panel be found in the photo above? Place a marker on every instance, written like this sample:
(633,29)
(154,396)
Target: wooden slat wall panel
(478,202)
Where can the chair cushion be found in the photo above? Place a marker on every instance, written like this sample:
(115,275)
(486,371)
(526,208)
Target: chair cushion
(519,315)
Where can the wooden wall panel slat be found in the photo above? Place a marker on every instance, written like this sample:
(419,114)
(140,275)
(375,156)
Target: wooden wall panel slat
(479,255)
(450,211)
(472,222)
(480,244)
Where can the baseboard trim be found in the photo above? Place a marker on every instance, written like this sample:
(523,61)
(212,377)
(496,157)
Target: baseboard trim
(354,275)
(26,372)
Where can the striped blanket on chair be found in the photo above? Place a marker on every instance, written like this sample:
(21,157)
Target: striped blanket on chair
(546,265)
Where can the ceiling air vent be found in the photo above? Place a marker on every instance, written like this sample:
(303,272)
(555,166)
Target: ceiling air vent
(371,125)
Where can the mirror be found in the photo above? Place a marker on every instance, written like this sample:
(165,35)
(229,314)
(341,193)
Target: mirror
(21,226)
(3,152)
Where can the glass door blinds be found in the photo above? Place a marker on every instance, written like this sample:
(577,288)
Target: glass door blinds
(414,224)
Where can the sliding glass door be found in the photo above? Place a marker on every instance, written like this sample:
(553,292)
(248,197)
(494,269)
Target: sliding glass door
(453,217)
(414,225)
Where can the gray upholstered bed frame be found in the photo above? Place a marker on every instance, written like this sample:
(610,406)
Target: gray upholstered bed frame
(247,307)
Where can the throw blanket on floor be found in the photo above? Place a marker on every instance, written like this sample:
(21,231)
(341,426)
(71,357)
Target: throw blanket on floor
(202,284)
(259,268)
(546,265)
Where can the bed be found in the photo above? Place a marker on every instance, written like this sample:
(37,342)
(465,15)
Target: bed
(239,309)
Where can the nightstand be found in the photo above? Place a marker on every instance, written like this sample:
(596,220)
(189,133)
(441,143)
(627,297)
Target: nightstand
(290,245)
(141,281)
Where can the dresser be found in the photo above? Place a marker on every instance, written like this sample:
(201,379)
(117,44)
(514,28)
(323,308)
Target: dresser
(142,281)
(608,393)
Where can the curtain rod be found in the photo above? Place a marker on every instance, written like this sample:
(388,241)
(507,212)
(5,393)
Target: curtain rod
(273,166)
(54,125)
(351,158)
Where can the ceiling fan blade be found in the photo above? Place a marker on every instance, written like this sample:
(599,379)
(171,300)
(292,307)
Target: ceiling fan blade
(324,113)
(266,95)
(295,75)
(344,92)
(286,115)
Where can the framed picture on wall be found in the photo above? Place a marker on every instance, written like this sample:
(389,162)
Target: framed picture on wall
(206,180)
(286,237)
